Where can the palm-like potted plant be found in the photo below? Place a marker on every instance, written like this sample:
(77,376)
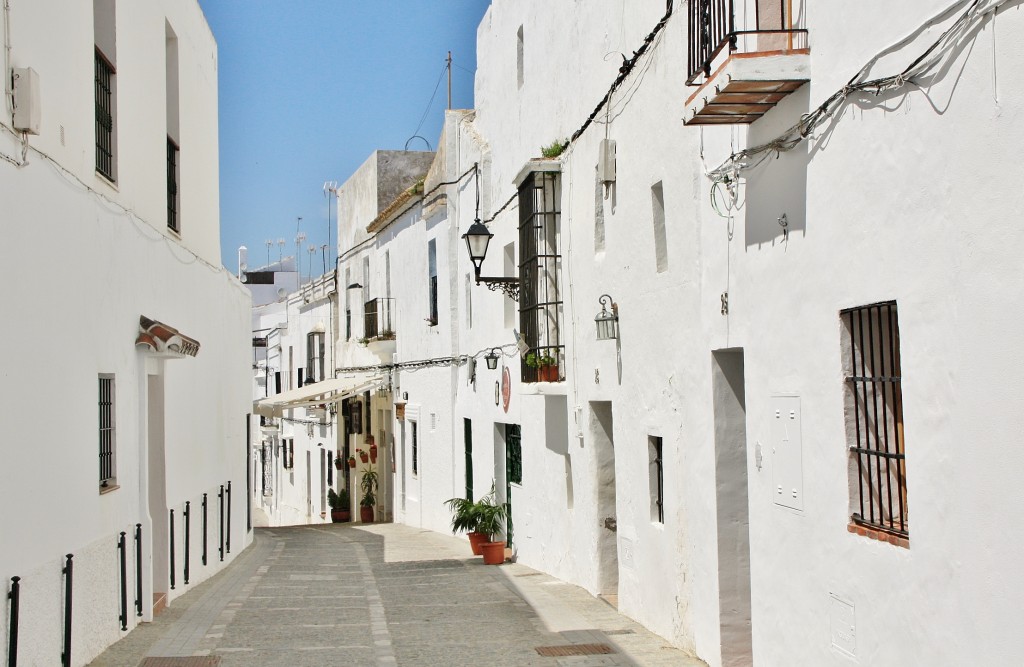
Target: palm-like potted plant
(464,518)
(490,520)
(339,503)
(368,487)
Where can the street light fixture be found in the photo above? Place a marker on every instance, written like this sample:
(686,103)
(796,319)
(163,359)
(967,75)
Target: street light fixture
(478,237)
(492,358)
(607,322)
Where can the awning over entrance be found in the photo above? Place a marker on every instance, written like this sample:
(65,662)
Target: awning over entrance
(328,391)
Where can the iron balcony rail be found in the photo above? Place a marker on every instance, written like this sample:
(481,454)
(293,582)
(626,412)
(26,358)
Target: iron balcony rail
(220,509)
(378,318)
(68,572)
(12,634)
(122,553)
(187,516)
(712,27)
(172,550)
(138,569)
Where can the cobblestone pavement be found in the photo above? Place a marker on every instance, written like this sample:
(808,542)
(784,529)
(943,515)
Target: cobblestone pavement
(385,595)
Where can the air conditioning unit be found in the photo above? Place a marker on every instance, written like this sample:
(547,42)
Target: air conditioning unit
(606,161)
(27,111)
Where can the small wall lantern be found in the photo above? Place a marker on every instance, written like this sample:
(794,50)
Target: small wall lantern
(492,358)
(607,322)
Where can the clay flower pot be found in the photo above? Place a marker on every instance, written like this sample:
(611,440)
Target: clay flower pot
(351,462)
(475,540)
(373,453)
(493,553)
(364,457)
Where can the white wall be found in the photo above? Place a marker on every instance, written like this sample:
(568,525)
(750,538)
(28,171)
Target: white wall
(896,200)
(86,272)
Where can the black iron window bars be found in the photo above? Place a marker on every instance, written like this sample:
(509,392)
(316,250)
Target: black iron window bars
(378,314)
(540,301)
(172,186)
(875,404)
(104,80)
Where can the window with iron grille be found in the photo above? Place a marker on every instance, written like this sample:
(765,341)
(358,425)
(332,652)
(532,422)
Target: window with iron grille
(874,418)
(104,80)
(288,453)
(432,277)
(315,345)
(657,478)
(106,430)
(172,185)
(540,297)
(415,449)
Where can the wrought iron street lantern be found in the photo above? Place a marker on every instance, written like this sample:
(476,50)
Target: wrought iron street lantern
(492,358)
(478,237)
(607,321)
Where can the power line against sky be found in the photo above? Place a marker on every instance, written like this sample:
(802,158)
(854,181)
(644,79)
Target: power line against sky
(308,89)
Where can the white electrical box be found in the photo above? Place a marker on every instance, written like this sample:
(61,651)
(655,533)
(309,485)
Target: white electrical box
(27,111)
(787,452)
(606,161)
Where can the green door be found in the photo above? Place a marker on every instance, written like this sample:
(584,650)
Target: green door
(513,470)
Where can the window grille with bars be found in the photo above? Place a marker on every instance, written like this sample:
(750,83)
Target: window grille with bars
(172,185)
(288,453)
(432,277)
(104,80)
(315,346)
(874,418)
(657,475)
(540,299)
(106,430)
(415,449)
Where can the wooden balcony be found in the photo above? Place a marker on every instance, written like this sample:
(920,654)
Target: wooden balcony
(741,74)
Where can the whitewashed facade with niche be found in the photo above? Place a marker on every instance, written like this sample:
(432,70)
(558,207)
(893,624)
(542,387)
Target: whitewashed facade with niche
(785,325)
(113,432)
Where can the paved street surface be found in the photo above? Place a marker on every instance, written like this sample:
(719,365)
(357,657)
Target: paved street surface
(384,595)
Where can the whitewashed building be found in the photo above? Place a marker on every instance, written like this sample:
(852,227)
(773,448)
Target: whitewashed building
(294,437)
(113,461)
(812,275)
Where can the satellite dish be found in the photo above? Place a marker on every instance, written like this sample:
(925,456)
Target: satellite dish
(281,292)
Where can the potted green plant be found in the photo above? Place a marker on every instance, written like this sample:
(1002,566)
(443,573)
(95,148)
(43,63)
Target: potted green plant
(546,365)
(339,502)
(368,487)
(490,520)
(464,518)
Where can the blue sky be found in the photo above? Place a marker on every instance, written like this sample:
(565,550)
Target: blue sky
(309,88)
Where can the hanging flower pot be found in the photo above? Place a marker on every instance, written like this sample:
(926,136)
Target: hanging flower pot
(373,453)
(351,462)
(339,462)
(363,456)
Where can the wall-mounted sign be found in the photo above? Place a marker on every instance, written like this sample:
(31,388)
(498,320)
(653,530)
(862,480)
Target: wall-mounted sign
(400,411)
(506,388)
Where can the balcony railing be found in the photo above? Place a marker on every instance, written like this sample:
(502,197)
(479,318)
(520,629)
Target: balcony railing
(378,318)
(712,27)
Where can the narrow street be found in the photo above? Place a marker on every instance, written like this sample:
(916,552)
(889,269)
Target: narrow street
(383,595)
